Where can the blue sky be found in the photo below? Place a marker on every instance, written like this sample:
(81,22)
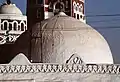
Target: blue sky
(98,7)
(20,3)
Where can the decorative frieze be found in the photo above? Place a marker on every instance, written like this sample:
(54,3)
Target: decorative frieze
(56,68)
(8,38)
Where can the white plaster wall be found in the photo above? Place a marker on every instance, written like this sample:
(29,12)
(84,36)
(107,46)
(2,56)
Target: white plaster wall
(59,77)
(48,14)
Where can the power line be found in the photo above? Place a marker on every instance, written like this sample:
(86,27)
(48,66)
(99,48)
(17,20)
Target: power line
(110,20)
(81,28)
(103,15)
(108,27)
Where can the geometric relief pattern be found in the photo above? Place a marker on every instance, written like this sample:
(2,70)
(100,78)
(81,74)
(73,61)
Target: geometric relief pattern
(57,68)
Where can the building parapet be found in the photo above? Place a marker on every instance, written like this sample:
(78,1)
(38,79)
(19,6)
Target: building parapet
(57,68)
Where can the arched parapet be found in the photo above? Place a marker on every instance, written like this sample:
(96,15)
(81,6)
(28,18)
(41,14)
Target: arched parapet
(5,25)
(13,25)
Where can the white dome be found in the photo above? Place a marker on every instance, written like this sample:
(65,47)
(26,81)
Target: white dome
(64,36)
(10,9)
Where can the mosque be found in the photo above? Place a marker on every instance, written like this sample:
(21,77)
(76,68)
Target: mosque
(52,43)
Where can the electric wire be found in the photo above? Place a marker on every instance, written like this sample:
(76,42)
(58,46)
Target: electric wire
(102,21)
(103,15)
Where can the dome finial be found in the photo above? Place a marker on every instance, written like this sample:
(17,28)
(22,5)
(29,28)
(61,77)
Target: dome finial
(8,2)
(62,14)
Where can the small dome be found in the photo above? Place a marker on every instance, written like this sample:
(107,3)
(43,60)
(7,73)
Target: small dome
(57,39)
(10,9)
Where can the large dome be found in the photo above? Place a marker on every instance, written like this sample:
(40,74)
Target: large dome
(57,39)
(10,9)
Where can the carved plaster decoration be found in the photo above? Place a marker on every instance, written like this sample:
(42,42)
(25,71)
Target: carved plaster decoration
(60,68)
(74,59)
(8,38)
(2,40)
